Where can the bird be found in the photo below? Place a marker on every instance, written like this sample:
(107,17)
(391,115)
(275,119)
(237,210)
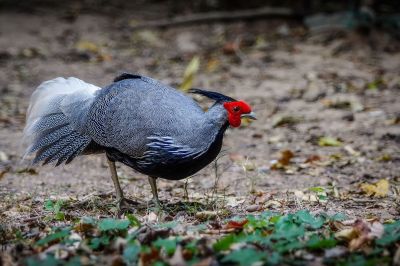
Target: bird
(138,121)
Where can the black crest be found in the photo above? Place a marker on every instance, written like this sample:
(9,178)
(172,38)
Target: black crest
(213,95)
(126,76)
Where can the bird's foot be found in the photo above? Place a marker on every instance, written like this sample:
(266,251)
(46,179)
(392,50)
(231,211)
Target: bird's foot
(157,204)
(126,204)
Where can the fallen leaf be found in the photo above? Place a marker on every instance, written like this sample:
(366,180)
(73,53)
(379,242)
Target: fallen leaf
(212,64)
(273,204)
(351,151)
(329,141)
(93,50)
(234,201)
(150,257)
(190,73)
(313,158)
(236,224)
(346,234)
(286,156)
(28,170)
(87,46)
(230,48)
(379,189)
(285,120)
(284,160)
(361,233)
(205,215)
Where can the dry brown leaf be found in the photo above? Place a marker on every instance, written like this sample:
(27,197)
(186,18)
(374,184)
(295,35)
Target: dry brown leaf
(313,158)
(284,160)
(378,189)
(230,48)
(286,156)
(236,224)
(205,215)
(149,258)
(361,233)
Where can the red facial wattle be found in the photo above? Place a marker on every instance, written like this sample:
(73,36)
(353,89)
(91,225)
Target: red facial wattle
(235,111)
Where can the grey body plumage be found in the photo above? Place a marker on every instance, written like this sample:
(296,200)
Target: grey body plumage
(138,116)
(136,120)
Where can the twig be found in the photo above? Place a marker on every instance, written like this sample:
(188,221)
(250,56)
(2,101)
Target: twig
(90,196)
(265,12)
(30,219)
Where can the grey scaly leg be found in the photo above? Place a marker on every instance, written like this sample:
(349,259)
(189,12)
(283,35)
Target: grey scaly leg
(121,201)
(153,185)
(118,191)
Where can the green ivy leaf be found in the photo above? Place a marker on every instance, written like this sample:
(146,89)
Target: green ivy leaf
(113,224)
(256,223)
(49,205)
(390,235)
(225,242)
(192,246)
(88,220)
(286,245)
(59,216)
(170,225)
(316,242)
(338,217)
(133,220)
(48,261)
(97,242)
(168,244)
(58,205)
(305,216)
(244,257)
(59,235)
(286,228)
(130,254)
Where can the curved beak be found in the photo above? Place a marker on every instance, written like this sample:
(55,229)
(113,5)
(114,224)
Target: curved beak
(251,115)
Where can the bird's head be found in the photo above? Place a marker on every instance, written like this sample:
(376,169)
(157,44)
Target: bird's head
(236,109)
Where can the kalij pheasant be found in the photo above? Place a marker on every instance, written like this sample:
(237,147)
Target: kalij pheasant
(136,120)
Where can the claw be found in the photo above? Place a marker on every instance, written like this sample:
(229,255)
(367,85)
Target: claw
(157,203)
(126,204)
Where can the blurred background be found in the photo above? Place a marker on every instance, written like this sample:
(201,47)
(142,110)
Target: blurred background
(323,77)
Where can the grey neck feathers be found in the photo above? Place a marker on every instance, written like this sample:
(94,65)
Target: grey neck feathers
(217,115)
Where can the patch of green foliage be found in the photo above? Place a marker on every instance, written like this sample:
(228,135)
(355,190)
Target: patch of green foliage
(266,239)
(55,208)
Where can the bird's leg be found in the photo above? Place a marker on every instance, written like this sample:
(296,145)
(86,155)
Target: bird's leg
(153,185)
(121,201)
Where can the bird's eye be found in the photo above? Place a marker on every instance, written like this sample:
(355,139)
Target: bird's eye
(236,109)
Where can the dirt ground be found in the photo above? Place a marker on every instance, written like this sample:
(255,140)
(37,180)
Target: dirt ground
(303,86)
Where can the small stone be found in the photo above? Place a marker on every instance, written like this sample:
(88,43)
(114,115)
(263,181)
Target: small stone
(253,208)
(3,156)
